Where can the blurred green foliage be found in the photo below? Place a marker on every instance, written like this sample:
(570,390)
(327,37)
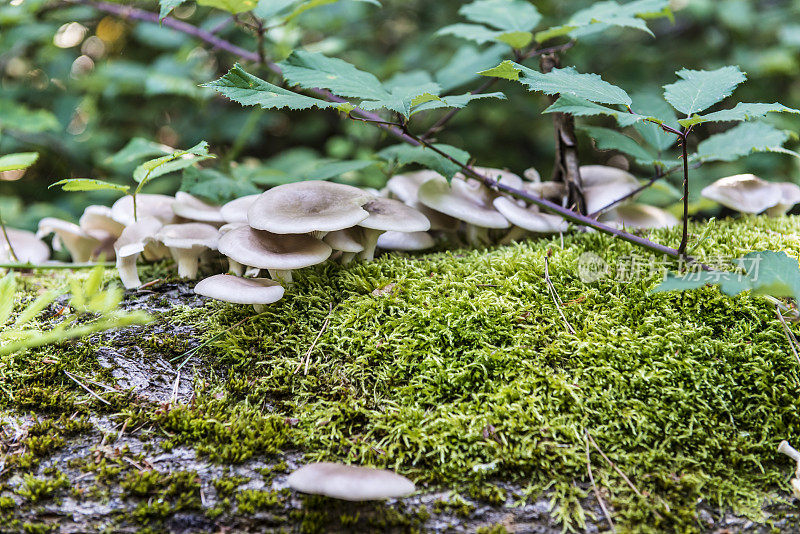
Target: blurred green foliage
(77,84)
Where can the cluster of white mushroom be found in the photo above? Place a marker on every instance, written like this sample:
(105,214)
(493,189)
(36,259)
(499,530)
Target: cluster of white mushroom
(747,193)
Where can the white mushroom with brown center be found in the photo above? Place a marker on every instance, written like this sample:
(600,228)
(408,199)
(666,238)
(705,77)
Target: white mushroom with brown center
(641,216)
(236,290)
(745,193)
(236,210)
(349,482)
(80,245)
(278,253)
(470,202)
(26,246)
(187,242)
(130,245)
(147,205)
(603,185)
(308,207)
(192,208)
(384,215)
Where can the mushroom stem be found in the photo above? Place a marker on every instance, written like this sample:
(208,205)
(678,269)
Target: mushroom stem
(282,276)
(187,260)
(126,267)
(252,272)
(477,236)
(370,242)
(235,268)
(347,257)
(259,308)
(515,234)
(789,451)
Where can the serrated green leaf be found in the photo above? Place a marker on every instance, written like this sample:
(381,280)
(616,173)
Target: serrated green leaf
(455,101)
(166,7)
(270,8)
(87,184)
(653,134)
(700,89)
(764,273)
(136,149)
(743,111)
(18,161)
(606,139)
(231,6)
(516,40)
(215,186)
(552,33)
(583,108)
(603,15)
(405,154)
(472,32)
(466,63)
(311,4)
(742,140)
(170,163)
(506,15)
(566,81)
(249,90)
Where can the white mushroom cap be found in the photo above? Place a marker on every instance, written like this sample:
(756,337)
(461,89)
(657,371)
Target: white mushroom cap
(192,208)
(554,191)
(347,240)
(349,483)
(405,241)
(790,195)
(81,246)
(227,288)
(745,193)
(236,210)
(475,208)
(187,242)
(499,175)
(276,252)
(405,186)
(98,222)
(530,218)
(387,214)
(640,216)
(532,175)
(158,206)
(310,206)
(602,185)
(130,245)
(27,247)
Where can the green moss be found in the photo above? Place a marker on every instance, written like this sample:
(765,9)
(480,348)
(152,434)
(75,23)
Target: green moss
(466,375)
(249,501)
(39,489)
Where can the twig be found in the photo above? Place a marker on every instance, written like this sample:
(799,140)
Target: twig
(46,266)
(8,240)
(614,466)
(307,357)
(789,334)
(556,299)
(596,491)
(92,393)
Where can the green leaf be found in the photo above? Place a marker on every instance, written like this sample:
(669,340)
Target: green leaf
(743,111)
(506,15)
(231,6)
(87,184)
(311,4)
(249,90)
(167,6)
(603,15)
(652,134)
(606,139)
(765,273)
(405,154)
(566,81)
(8,286)
(472,32)
(214,186)
(583,108)
(270,8)
(466,63)
(16,116)
(18,161)
(516,40)
(309,69)
(745,139)
(170,163)
(136,149)
(700,89)
(455,101)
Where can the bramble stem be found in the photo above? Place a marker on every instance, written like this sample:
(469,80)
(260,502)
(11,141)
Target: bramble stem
(685,237)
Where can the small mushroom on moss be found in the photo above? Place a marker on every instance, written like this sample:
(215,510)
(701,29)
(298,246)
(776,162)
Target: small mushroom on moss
(405,187)
(187,242)
(641,216)
(745,193)
(348,241)
(279,253)
(306,207)
(80,245)
(468,202)
(602,185)
(235,211)
(147,205)
(130,245)
(408,241)
(191,208)
(349,482)
(386,214)
(98,223)
(794,454)
(234,289)
(531,219)
(790,195)
(27,247)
